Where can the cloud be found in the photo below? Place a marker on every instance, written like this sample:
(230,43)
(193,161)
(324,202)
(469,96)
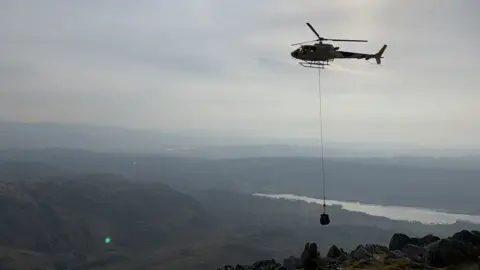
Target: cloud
(212,64)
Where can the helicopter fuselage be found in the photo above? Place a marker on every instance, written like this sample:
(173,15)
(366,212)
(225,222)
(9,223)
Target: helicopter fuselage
(317,52)
(324,53)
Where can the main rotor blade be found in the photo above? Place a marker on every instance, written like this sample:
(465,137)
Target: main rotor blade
(311,27)
(349,40)
(304,42)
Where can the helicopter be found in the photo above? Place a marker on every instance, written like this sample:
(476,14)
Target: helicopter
(321,54)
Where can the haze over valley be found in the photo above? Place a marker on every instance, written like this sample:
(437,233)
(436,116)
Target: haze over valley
(418,181)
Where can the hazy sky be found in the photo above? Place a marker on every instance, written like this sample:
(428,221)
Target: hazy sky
(225,66)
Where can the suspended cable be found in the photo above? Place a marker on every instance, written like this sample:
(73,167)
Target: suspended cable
(324,218)
(321,136)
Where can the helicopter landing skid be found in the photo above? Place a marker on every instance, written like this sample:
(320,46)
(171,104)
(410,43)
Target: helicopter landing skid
(314,64)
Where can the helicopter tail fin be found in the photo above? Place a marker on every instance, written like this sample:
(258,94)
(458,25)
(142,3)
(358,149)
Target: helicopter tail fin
(378,56)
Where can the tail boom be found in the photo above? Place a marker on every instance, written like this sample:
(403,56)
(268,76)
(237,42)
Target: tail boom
(378,56)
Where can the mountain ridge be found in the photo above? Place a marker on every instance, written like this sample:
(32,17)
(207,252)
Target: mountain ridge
(190,143)
(459,251)
(347,179)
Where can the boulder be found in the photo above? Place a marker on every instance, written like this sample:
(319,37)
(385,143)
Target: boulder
(447,252)
(467,237)
(424,241)
(292,263)
(310,256)
(413,252)
(396,254)
(361,254)
(334,252)
(266,265)
(398,241)
(376,249)
(304,255)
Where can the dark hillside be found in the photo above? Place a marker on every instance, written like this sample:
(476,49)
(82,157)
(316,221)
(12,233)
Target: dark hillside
(75,214)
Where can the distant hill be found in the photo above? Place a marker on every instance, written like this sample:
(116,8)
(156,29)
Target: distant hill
(74,214)
(44,135)
(17,135)
(383,182)
(26,170)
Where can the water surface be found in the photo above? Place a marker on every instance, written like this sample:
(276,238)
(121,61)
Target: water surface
(422,215)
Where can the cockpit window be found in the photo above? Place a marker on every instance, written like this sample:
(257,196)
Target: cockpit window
(306,49)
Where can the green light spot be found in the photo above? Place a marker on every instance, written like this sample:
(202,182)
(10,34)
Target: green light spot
(107,240)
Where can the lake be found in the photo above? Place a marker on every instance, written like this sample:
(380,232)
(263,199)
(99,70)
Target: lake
(422,215)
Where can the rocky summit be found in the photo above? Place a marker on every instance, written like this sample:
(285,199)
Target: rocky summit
(460,251)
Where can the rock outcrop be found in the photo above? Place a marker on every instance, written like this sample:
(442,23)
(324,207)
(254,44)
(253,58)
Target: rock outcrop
(260,265)
(400,240)
(334,252)
(463,246)
(403,252)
